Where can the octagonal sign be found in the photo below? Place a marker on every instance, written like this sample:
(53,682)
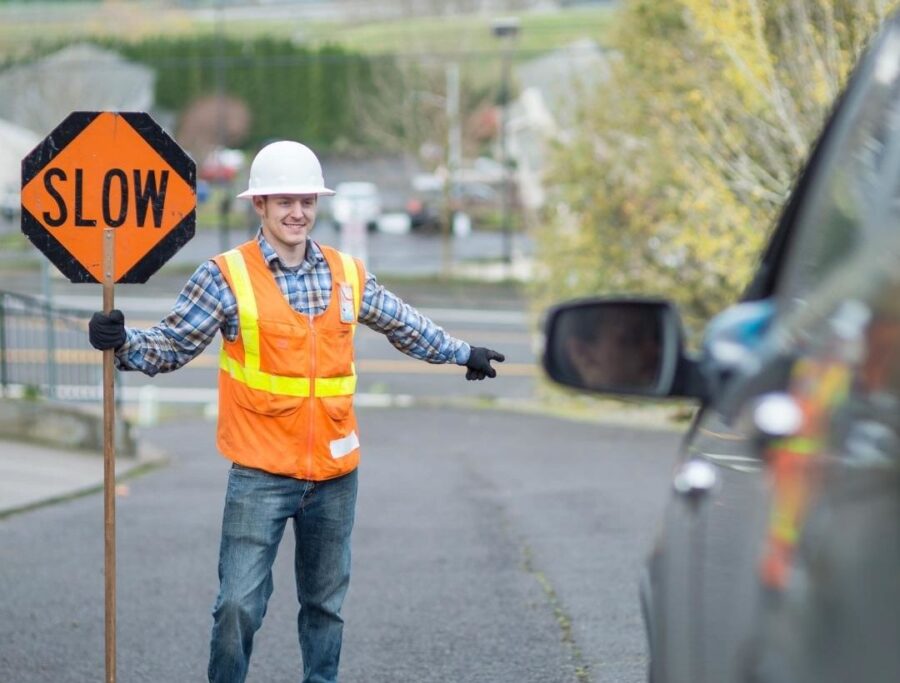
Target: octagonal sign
(100,170)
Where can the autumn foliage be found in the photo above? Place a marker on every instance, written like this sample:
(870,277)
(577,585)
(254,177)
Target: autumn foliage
(681,162)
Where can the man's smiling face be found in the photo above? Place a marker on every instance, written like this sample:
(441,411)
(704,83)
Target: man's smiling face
(287,219)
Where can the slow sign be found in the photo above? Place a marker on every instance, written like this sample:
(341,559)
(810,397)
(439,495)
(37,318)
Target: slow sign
(100,170)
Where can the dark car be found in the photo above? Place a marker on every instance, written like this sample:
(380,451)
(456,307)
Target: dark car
(427,206)
(778,558)
(425,213)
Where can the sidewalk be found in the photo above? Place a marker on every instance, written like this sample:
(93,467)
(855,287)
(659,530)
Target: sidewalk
(33,475)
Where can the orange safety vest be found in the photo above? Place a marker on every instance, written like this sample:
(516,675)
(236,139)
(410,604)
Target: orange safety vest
(286,383)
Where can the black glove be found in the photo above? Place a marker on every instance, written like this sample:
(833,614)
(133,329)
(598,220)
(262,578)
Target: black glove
(479,363)
(107,331)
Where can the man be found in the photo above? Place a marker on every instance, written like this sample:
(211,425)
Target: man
(287,309)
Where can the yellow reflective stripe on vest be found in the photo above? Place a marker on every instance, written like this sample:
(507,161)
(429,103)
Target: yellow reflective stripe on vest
(335,386)
(247,313)
(286,386)
(801,445)
(256,379)
(352,275)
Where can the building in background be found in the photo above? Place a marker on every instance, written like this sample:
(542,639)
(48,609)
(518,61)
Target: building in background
(552,87)
(80,77)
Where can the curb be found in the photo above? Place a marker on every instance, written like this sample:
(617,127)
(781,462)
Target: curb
(662,417)
(37,476)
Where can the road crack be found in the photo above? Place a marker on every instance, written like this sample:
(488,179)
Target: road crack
(563,619)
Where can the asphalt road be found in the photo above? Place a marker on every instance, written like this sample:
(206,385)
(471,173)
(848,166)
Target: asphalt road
(489,547)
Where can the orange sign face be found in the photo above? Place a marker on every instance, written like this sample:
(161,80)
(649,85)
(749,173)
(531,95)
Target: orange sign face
(101,170)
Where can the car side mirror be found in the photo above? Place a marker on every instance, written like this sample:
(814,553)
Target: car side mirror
(631,347)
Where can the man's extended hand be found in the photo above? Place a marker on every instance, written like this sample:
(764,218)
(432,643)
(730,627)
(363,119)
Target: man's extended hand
(107,331)
(479,363)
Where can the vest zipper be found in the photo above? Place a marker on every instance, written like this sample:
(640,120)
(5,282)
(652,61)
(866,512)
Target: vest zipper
(312,392)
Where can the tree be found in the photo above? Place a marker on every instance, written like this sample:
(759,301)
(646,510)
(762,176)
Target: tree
(677,169)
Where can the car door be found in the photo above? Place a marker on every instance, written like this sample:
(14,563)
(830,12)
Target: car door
(701,572)
(752,490)
(830,564)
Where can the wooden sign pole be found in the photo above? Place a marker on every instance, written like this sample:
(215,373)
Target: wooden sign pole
(109,462)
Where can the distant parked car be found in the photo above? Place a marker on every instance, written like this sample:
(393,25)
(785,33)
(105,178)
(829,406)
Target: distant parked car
(357,201)
(426,207)
(10,203)
(424,213)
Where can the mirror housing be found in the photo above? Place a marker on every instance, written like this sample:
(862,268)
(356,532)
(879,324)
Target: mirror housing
(627,347)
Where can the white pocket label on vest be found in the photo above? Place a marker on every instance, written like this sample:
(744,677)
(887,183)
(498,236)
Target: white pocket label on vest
(346,290)
(345,446)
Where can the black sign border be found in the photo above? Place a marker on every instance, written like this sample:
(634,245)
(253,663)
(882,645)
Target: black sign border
(151,132)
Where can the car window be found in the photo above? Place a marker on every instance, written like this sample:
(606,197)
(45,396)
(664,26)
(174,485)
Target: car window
(853,193)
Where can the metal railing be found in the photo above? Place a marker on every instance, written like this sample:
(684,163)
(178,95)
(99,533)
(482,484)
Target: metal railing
(44,351)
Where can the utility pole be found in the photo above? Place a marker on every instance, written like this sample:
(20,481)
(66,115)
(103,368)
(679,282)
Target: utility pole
(454,156)
(225,199)
(506,30)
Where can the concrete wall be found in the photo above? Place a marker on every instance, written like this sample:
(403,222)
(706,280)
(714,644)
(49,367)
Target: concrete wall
(62,426)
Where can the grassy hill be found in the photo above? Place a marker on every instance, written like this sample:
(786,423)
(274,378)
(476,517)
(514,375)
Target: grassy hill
(24,24)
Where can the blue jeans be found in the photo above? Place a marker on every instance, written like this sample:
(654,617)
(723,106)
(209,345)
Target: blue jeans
(257,507)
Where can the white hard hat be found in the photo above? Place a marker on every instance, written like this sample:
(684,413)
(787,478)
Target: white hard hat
(285,167)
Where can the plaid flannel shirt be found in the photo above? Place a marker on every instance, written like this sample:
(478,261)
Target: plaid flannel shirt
(207,305)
